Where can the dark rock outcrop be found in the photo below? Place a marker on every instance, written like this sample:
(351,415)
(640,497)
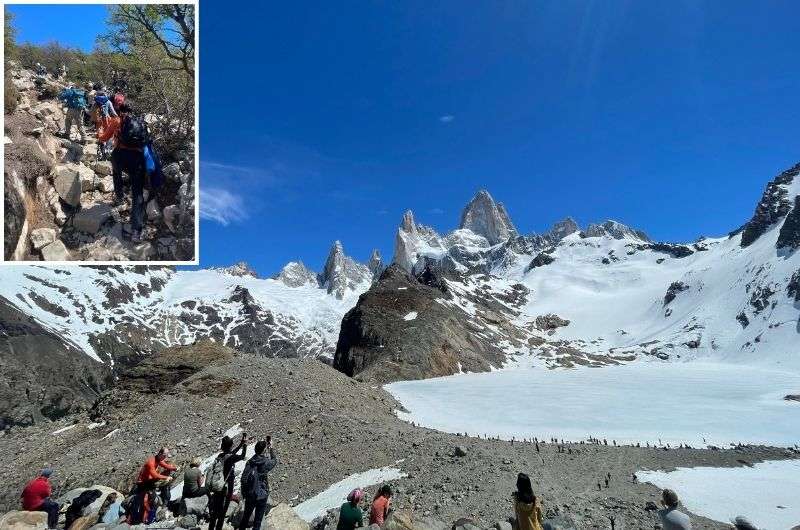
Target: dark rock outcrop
(775,203)
(400,330)
(793,287)
(789,236)
(41,376)
(673,290)
(15,214)
(540,260)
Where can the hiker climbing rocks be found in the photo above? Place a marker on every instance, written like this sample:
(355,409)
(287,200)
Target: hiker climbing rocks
(381,504)
(255,485)
(219,480)
(671,517)
(130,136)
(350,515)
(149,482)
(75,101)
(36,498)
(193,481)
(527,507)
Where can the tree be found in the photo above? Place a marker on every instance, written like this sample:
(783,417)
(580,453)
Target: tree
(10,34)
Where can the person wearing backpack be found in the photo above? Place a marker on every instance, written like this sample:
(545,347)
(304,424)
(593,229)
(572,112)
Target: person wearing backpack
(220,480)
(75,101)
(36,498)
(130,136)
(255,485)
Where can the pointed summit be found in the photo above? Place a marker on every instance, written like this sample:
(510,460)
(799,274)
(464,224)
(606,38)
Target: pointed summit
(487,218)
(375,264)
(408,224)
(563,228)
(296,274)
(342,273)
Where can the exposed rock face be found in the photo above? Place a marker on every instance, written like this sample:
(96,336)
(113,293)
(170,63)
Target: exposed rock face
(241,269)
(563,228)
(413,242)
(296,274)
(15,215)
(673,290)
(42,377)
(793,288)
(375,264)
(540,260)
(380,340)
(789,236)
(342,273)
(487,218)
(615,230)
(775,203)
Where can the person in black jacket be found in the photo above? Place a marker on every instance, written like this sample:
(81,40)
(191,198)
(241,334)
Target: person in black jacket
(221,500)
(255,484)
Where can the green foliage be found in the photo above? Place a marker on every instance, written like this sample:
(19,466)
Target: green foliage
(10,34)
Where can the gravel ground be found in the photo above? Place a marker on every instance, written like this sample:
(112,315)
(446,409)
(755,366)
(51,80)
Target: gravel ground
(326,426)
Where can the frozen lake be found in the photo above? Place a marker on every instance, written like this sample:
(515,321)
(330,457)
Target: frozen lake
(638,402)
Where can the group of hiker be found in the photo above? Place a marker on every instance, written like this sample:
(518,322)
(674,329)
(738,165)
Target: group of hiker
(123,133)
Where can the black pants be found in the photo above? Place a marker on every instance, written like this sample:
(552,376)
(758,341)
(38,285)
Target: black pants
(52,512)
(132,163)
(250,505)
(217,508)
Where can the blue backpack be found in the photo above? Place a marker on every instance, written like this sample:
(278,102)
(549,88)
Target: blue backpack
(101,100)
(152,165)
(74,98)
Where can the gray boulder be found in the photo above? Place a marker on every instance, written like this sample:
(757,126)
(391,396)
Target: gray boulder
(67,183)
(90,220)
(41,237)
(55,251)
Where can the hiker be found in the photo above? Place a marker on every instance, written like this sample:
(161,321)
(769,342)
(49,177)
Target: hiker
(350,515)
(219,480)
(118,98)
(193,481)
(255,485)
(130,136)
(671,517)
(75,101)
(36,498)
(151,481)
(379,510)
(527,507)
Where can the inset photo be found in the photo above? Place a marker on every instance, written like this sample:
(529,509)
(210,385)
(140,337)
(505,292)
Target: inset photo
(100,133)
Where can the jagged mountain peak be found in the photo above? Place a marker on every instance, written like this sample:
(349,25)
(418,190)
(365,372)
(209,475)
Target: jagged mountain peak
(241,269)
(487,218)
(781,199)
(375,263)
(296,274)
(614,229)
(342,273)
(563,228)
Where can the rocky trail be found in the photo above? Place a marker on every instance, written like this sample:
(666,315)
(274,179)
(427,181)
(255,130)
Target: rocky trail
(59,192)
(327,426)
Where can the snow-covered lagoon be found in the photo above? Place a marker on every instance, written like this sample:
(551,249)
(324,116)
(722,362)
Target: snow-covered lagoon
(767,493)
(638,402)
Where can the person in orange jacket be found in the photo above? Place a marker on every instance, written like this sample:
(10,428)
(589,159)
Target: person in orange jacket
(150,480)
(130,135)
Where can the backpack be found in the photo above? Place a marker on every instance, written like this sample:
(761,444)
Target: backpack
(133,132)
(101,100)
(152,165)
(250,482)
(74,98)
(215,475)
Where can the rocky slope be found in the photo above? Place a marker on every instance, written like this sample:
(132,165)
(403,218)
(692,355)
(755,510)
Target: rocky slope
(327,426)
(603,295)
(67,191)
(102,319)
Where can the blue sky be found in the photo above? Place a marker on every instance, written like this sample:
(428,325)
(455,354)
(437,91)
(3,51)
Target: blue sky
(324,121)
(71,25)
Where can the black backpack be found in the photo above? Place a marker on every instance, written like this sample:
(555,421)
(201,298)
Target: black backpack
(133,132)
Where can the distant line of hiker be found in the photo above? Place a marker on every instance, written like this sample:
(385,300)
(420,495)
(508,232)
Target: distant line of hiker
(123,132)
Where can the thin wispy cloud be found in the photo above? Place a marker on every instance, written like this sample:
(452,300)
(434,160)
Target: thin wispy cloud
(221,206)
(447,118)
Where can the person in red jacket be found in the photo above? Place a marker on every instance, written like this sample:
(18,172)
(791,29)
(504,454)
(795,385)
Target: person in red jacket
(151,480)
(36,498)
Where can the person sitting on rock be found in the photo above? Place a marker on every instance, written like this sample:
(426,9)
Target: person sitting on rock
(527,507)
(255,484)
(36,498)
(130,135)
(193,481)
(671,517)
(350,515)
(221,494)
(381,504)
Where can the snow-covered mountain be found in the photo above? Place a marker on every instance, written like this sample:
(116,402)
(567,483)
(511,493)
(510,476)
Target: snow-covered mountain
(603,295)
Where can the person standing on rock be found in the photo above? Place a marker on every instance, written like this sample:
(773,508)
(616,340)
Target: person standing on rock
(350,515)
(527,507)
(671,517)
(130,135)
(149,481)
(220,480)
(255,485)
(381,504)
(75,101)
(36,498)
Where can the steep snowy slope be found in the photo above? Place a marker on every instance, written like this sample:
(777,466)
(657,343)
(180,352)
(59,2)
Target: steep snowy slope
(604,295)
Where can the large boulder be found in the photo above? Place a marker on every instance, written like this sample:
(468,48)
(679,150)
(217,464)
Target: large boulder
(41,237)
(56,251)
(102,168)
(67,182)
(399,520)
(196,506)
(89,180)
(90,220)
(282,517)
(20,520)
(15,215)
